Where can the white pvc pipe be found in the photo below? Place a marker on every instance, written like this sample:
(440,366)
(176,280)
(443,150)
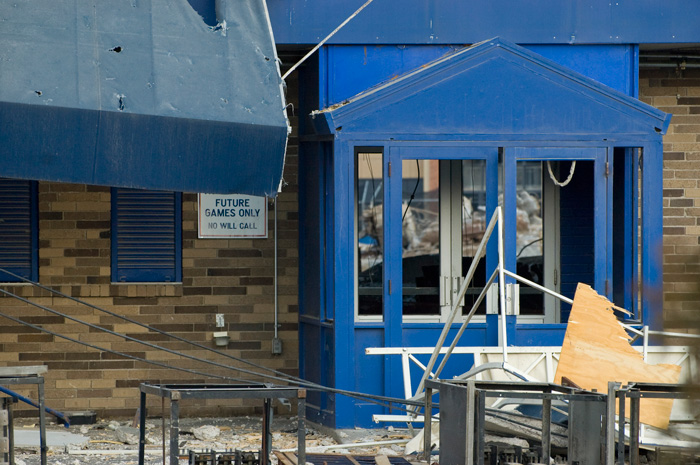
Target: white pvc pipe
(537,286)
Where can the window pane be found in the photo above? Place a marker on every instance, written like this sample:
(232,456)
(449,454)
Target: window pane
(420,225)
(370,227)
(529,235)
(473,228)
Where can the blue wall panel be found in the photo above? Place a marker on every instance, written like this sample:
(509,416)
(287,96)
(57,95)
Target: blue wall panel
(353,69)
(369,376)
(454,22)
(533,335)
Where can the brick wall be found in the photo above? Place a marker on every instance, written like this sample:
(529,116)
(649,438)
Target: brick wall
(232,277)
(678,92)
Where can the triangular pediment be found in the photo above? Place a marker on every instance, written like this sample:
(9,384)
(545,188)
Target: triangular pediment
(495,89)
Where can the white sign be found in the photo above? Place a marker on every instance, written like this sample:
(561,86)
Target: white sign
(232,216)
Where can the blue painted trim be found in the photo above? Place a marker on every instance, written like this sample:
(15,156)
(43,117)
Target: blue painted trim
(323,82)
(326,195)
(393,266)
(652,235)
(439,326)
(508,175)
(343,282)
(634,72)
(541,326)
(503,140)
(603,198)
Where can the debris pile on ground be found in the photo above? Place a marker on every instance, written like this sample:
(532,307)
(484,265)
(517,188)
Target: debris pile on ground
(116,442)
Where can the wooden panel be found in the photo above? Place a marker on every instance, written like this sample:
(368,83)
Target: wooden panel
(596,350)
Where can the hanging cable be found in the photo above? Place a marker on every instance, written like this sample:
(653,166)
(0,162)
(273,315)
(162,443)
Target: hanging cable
(320,44)
(132,321)
(568,179)
(380,400)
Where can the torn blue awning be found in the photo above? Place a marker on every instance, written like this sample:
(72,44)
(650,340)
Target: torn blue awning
(141,93)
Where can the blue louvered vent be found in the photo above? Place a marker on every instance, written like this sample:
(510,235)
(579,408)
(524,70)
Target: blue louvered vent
(146,236)
(18,212)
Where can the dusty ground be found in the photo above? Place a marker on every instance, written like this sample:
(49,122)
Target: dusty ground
(116,443)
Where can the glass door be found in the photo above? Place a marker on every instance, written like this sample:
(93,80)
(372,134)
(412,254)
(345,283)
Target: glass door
(559,225)
(443,219)
(420,226)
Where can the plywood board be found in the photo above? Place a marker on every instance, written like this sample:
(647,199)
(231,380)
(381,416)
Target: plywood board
(596,350)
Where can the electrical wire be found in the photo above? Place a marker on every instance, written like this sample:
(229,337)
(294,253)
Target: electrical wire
(413,194)
(325,39)
(383,401)
(135,322)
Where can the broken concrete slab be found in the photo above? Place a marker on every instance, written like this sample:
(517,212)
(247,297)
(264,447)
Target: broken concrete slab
(30,438)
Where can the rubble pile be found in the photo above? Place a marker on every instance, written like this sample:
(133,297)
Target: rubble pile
(116,442)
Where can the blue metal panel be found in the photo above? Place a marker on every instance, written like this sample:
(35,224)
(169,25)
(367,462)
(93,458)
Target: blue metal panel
(116,91)
(615,66)
(652,235)
(393,269)
(354,69)
(369,376)
(450,22)
(343,276)
(146,236)
(532,335)
(349,70)
(496,89)
(19,229)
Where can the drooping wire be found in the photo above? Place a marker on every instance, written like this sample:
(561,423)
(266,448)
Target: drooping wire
(379,400)
(115,352)
(382,401)
(567,180)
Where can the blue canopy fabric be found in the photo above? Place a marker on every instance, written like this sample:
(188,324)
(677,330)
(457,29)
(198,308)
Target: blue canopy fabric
(142,94)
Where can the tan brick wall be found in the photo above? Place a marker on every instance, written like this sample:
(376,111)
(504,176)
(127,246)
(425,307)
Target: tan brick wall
(232,277)
(678,92)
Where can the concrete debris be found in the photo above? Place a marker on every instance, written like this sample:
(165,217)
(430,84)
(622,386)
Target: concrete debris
(505,441)
(415,445)
(386,451)
(128,435)
(207,432)
(105,445)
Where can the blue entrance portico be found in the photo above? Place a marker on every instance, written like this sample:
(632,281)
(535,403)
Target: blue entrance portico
(490,121)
